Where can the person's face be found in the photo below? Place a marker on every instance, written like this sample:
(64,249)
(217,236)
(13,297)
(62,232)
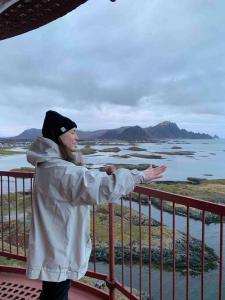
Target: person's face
(69,139)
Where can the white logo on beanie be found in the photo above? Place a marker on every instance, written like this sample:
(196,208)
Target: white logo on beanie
(63,129)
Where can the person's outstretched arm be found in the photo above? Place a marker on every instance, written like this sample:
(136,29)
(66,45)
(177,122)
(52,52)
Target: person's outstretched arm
(83,186)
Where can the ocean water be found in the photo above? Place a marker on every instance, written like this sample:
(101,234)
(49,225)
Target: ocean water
(208,160)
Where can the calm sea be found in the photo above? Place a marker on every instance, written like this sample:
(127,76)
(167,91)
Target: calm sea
(208,160)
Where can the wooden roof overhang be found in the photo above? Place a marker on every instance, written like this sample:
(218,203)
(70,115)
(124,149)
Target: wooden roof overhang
(20,16)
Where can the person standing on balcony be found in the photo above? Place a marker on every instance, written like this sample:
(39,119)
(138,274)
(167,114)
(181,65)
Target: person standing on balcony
(59,241)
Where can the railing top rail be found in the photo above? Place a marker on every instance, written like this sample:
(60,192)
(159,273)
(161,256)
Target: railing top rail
(183,200)
(167,196)
(17,174)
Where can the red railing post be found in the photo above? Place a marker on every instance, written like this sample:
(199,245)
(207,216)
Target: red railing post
(221,260)
(111,281)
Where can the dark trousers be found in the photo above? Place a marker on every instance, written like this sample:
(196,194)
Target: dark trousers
(55,290)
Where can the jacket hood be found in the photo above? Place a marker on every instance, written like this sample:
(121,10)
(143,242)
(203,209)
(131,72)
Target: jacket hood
(42,150)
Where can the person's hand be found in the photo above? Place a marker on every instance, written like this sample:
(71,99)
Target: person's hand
(154,173)
(110,169)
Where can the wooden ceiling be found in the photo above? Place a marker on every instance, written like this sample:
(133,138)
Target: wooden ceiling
(20,16)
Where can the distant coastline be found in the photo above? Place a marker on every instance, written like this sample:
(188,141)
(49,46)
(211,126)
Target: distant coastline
(164,130)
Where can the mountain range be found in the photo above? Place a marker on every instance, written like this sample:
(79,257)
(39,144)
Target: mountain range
(164,130)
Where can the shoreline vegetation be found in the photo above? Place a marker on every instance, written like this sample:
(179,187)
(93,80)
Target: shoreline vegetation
(9,151)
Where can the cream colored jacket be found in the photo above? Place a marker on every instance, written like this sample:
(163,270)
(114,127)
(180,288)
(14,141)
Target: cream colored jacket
(59,241)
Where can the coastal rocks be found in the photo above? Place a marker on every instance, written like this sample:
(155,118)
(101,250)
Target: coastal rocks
(135,148)
(195,180)
(124,253)
(88,150)
(127,252)
(139,167)
(148,156)
(122,156)
(186,153)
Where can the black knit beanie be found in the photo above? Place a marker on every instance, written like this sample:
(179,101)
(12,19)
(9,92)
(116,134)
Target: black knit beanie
(55,125)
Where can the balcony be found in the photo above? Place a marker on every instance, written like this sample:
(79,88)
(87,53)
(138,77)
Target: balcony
(139,251)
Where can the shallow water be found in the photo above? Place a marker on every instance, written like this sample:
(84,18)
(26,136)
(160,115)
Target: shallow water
(209,158)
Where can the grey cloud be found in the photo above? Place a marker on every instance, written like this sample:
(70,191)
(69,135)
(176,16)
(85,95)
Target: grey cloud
(119,53)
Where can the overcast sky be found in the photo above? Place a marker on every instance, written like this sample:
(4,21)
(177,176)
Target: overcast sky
(107,65)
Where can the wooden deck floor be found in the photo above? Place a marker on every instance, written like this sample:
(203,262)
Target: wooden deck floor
(18,287)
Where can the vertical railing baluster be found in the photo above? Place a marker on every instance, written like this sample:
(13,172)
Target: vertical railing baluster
(131,250)
(24,218)
(31,194)
(2,215)
(187,255)
(140,245)
(174,252)
(16,194)
(221,259)
(94,236)
(122,242)
(9,216)
(111,252)
(161,249)
(203,255)
(150,247)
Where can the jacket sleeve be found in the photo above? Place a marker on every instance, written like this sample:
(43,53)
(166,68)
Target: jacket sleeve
(85,186)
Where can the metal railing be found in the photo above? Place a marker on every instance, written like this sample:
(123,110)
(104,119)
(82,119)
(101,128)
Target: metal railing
(149,245)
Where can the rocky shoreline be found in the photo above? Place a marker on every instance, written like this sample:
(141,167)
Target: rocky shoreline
(211,259)
(153,253)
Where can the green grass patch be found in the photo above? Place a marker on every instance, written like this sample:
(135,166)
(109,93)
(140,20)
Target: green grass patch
(88,150)
(113,149)
(148,156)
(8,151)
(177,152)
(135,148)
(139,167)
(11,262)
(23,169)
(122,156)
(12,201)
